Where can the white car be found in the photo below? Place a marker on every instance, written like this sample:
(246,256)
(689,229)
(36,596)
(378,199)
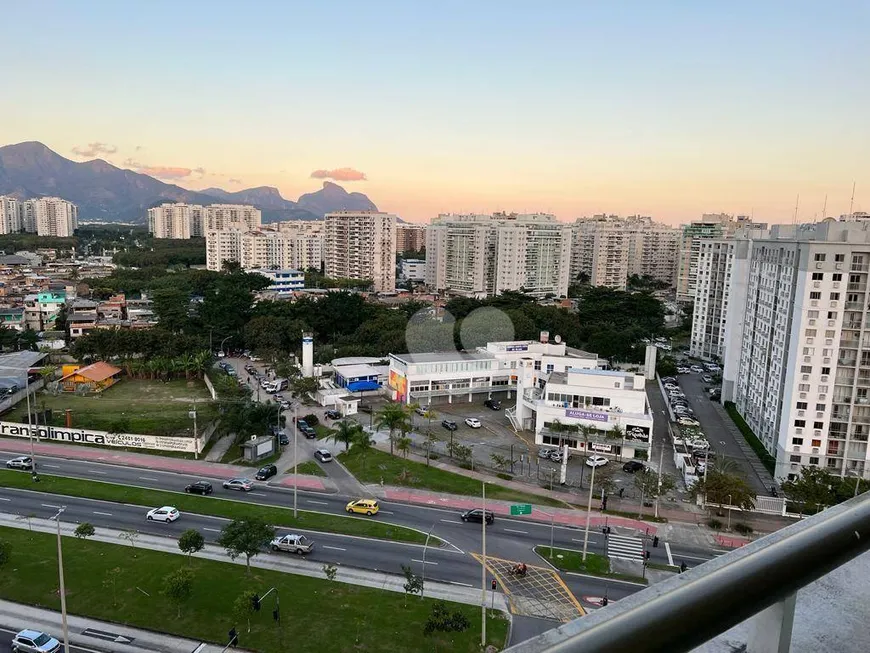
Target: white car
(421,410)
(323,455)
(696,369)
(596,461)
(688,421)
(714,368)
(21,462)
(473,422)
(298,544)
(165,514)
(34,641)
(671,386)
(683,370)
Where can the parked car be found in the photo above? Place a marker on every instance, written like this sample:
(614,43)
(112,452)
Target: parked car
(545,453)
(363,506)
(241,484)
(449,424)
(477,515)
(492,404)
(633,466)
(34,641)
(696,369)
(556,456)
(265,472)
(199,487)
(671,386)
(298,544)
(596,461)
(333,414)
(473,422)
(713,367)
(707,378)
(285,405)
(323,455)
(421,410)
(166,514)
(283,439)
(683,370)
(688,421)
(669,379)
(20,462)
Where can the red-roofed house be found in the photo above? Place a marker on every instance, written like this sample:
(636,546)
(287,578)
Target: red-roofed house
(95,377)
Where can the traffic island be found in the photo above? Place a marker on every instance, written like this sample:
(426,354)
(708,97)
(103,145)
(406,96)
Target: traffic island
(595,564)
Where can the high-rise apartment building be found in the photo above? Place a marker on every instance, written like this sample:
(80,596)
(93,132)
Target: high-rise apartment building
(797,344)
(410,237)
(307,236)
(54,216)
(482,255)
(10,215)
(710,226)
(181,221)
(250,249)
(713,286)
(607,249)
(361,245)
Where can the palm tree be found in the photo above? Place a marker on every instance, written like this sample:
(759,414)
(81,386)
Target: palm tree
(616,433)
(430,414)
(346,432)
(393,416)
(362,442)
(404,445)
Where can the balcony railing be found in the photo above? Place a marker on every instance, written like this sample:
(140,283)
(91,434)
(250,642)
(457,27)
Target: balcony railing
(684,612)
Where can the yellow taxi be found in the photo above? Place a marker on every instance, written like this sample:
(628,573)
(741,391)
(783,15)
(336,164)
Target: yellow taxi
(363,506)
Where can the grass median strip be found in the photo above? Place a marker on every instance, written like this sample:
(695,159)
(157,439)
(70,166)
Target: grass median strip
(595,564)
(278,516)
(378,466)
(115,583)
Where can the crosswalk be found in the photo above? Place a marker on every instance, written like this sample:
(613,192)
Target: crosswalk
(620,546)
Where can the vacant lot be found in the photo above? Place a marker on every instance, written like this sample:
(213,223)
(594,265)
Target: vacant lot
(130,406)
(124,585)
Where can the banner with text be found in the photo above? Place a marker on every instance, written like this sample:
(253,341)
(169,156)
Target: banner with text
(101,438)
(586,414)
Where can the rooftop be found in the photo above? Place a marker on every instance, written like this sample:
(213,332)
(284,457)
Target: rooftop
(441,357)
(96,371)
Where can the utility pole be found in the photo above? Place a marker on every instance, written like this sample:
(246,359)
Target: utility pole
(483,570)
(62,589)
(195,440)
(295,439)
(588,514)
(658,493)
(423,568)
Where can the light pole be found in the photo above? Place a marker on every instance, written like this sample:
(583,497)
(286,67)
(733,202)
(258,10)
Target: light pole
(223,341)
(56,518)
(295,476)
(552,516)
(195,440)
(34,475)
(423,573)
(483,569)
(588,513)
(659,487)
(729,513)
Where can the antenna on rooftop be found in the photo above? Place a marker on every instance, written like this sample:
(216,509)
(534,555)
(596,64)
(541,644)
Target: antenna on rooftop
(796,205)
(852,201)
(825,207)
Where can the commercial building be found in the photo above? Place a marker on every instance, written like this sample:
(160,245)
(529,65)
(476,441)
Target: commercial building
(797,344)
(283,281)
(481,255)
(361,245)
(607,249)
(413,269)
(410,237)
(182,221)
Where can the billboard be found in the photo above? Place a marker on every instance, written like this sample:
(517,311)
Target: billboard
(101,438)
(517,348)
(586,414)
(399,383)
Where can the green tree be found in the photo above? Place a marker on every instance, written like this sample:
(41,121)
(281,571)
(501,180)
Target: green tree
(403,444)
(172,308)
(5,552)
(362,444)
(442,620)
(344,431)
(191,541)
(413,583)
(84,530)
(305,385)
(717,487)
(394,417)
(243,606)
(178,587)
(647,481)
(814,489)
(246,537)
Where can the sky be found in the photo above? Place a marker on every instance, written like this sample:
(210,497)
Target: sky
(666,108)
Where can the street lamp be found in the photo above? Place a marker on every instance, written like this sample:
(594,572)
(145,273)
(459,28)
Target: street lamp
(34,474)
(588,512)
(223,341)
(423,573)
(483,568)
(729,513)
(295,462)
(56,518)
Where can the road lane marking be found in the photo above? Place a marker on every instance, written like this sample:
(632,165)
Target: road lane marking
(258,494)
(50,466)
(696,558)
(513,530)
(105,514)
(213,530)
(387,512)
(605,579)
(451,521)
(670,557)
(453,582)
(5,499)
(334,548)
(93,471)
(426,562)
(48,505)
(319,503)
(147,478)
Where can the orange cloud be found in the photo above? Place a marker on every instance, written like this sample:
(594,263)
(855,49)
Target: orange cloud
(340,174)
(164,172)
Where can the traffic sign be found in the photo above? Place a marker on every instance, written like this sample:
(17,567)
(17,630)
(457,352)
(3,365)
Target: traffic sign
(521,509)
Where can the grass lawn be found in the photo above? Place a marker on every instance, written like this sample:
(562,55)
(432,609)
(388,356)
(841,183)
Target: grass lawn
(399,471)
(103,581)
(194,503)
(323,431)
(309,468)
(595,565)
(130,406)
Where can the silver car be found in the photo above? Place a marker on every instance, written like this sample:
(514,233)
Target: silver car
(34,641)
(21,462)
(298,544)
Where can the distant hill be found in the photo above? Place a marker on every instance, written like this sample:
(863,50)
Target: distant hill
(104,191)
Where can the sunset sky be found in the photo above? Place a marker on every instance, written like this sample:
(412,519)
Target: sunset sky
(669,109)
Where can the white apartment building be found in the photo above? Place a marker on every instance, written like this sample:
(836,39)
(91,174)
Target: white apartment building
(608,249)
(307,238)
(54,216)
(797,349)
(413,269)
(10,215)
(713,285)
(264,248)
(481,255)
(410,237)
(283,281)
(361,245)
(181,221)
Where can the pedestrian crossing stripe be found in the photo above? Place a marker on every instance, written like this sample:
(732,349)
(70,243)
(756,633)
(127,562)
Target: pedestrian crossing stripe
(621,546)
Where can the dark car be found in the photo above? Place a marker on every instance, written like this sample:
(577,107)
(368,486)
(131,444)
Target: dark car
(633,466)
(283,439)
(200,487)
(309,432)
(476,515)
(301,424)
(449,424)
(333,414)
(492,404)
(267,471)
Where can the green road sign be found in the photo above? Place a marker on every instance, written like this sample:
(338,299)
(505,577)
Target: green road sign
(521,509)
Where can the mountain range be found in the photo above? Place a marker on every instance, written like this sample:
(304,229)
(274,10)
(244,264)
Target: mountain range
(106,192)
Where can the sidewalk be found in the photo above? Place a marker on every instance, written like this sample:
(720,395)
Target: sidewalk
(149,461)
(281,563)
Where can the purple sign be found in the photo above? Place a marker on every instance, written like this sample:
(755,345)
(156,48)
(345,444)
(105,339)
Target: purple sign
(516,348)
(586,414)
